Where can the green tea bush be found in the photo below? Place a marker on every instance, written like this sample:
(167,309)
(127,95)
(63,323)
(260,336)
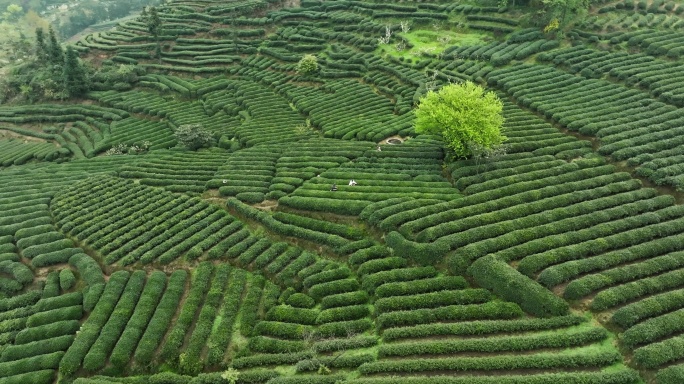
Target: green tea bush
(66,279)
(489,310)
(421,286)
(495,344)
(337,314)
(289,314)
(301,300)
(161,319)
(47,331)
(321,290)
(533,361)
(344,299)
(90,330)
(481,327)
(492,273)
(432,300)
(372,281)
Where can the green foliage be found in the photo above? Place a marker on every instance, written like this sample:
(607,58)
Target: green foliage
(55,51)
(194,136)
(66,279)
(351,312)
(250,197)
(671,375)
(489,310)
(565,339)
(321,290)
(90,330)
(345,299)
(300,300)
(481,327)
(560,9)
(231,375)
(495,274)
(623,376)
(421,286)
(464,114)
(55,329)
(432,300)
(13,12)
(307,65)
(534,208)
(154,23)
(160,321)
(76,81)
(531,361)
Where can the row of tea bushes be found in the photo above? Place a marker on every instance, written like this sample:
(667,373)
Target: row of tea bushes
(247,171)
(136,311)
(414,309)
(271,119)
(659,77)
(35,329)
(309,159)
(654,134)
(177,171)
(18,152)
(340,109)
(197,226)
(409,169)
(335,236)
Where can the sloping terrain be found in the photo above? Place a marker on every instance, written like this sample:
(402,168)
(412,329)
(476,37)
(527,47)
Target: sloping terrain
(558,261)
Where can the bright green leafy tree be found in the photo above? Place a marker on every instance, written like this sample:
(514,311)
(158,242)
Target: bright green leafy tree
(464,115)
(307,65)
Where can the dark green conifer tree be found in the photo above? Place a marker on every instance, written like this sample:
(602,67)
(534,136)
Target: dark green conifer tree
(55,52)
(74,75)
(154,23)
(143,15)
(41,49)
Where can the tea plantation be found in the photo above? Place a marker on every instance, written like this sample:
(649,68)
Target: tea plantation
(126,258)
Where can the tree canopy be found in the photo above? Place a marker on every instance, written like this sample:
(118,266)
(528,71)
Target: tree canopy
(464,115)
(560,9)
(76,82)
(194,136)
(307,65)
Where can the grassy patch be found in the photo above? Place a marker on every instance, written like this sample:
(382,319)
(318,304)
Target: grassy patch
(432,41)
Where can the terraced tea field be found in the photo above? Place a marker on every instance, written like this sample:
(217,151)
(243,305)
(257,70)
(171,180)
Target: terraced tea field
(558,261)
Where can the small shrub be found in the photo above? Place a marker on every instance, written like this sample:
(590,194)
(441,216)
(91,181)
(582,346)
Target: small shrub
(300,300)
(66,279)
(250,197)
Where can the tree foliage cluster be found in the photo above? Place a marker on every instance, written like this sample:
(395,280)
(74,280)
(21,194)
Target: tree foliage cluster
(555,15)
(307,65)
(50,73)
(468,118)
(54,73)
(194,136)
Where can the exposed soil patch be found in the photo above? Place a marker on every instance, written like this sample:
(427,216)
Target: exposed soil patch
(13,135)
(267,205)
